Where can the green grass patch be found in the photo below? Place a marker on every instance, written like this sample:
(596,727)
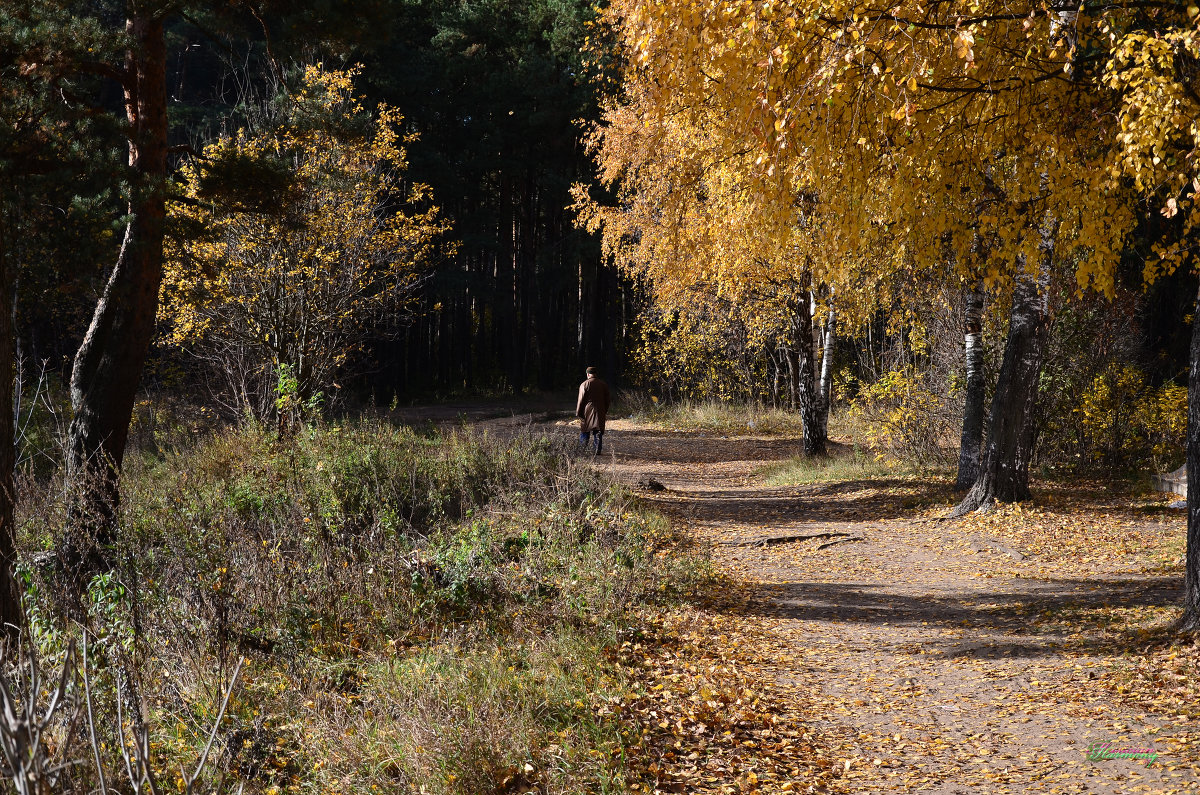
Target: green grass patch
(716,417)
(841,466)
(418,612)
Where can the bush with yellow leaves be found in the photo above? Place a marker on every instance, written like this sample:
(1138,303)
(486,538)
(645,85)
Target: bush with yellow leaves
(1123,421)
(305,240)
(905,419)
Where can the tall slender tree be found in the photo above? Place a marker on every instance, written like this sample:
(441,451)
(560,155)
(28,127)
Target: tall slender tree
(971,442)
(108,366)
(50,140)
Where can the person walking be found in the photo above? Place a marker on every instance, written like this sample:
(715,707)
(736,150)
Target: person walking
(592,410)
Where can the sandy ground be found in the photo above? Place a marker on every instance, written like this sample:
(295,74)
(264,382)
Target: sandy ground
(930,650)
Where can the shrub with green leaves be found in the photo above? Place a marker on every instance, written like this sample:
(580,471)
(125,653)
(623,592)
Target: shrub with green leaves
(456,583)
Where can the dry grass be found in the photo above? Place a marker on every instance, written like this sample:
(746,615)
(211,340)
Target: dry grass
(717,417)
(419,613)
(842,466)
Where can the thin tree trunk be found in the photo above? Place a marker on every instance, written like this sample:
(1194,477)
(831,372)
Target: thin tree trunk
(793,378)
(1004,470)
(108,366)
(11,616)
(1190,621)
(829,337)
(973,410)
(812,413)
(504,301)
(776,375)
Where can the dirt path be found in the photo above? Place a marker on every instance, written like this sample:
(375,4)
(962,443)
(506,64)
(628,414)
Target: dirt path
(937,657)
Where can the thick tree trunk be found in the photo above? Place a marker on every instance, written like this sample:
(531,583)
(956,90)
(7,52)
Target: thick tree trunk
(11,616)
(108,366)
(812,412)
(1191,579)
(1004,470)
(973,410)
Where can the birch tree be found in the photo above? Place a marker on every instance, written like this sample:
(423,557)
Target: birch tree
(945,124)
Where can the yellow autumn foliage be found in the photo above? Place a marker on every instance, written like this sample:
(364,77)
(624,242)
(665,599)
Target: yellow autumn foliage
(757,141)
(1122,419)
(707,350)
(903,418)
(296,283)
(1154,70)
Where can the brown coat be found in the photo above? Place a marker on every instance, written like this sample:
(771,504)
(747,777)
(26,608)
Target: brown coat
(592,406)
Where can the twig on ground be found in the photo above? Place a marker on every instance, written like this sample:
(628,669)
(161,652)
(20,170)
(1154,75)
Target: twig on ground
(828,544)
(772,541)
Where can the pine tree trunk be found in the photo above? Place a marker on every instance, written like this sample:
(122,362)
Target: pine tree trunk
(11,616)
(1190,620)
(1004,470)
(108,365)
(973,413)
(505,306)
(808,393)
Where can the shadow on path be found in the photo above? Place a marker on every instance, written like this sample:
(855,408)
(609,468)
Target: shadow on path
(875,500)
(1061,605)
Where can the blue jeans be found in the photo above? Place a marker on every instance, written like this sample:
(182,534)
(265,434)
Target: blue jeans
(598,436)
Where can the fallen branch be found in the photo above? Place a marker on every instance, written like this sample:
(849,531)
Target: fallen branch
(770,542)
(841,541)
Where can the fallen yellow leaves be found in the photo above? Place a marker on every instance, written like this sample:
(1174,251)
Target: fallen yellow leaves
(709,719)
(983,654)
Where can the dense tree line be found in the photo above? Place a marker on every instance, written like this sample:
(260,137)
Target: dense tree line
(780,191)
(108,106)
(497,91)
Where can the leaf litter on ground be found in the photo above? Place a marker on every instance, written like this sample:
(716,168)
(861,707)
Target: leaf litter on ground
(985,653)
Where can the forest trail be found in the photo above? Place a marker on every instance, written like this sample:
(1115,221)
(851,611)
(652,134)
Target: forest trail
(932,656)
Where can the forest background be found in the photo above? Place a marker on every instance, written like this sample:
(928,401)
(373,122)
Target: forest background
(500,103)
(966,227)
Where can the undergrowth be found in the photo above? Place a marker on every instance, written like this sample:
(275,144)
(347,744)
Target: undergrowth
(418,613)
